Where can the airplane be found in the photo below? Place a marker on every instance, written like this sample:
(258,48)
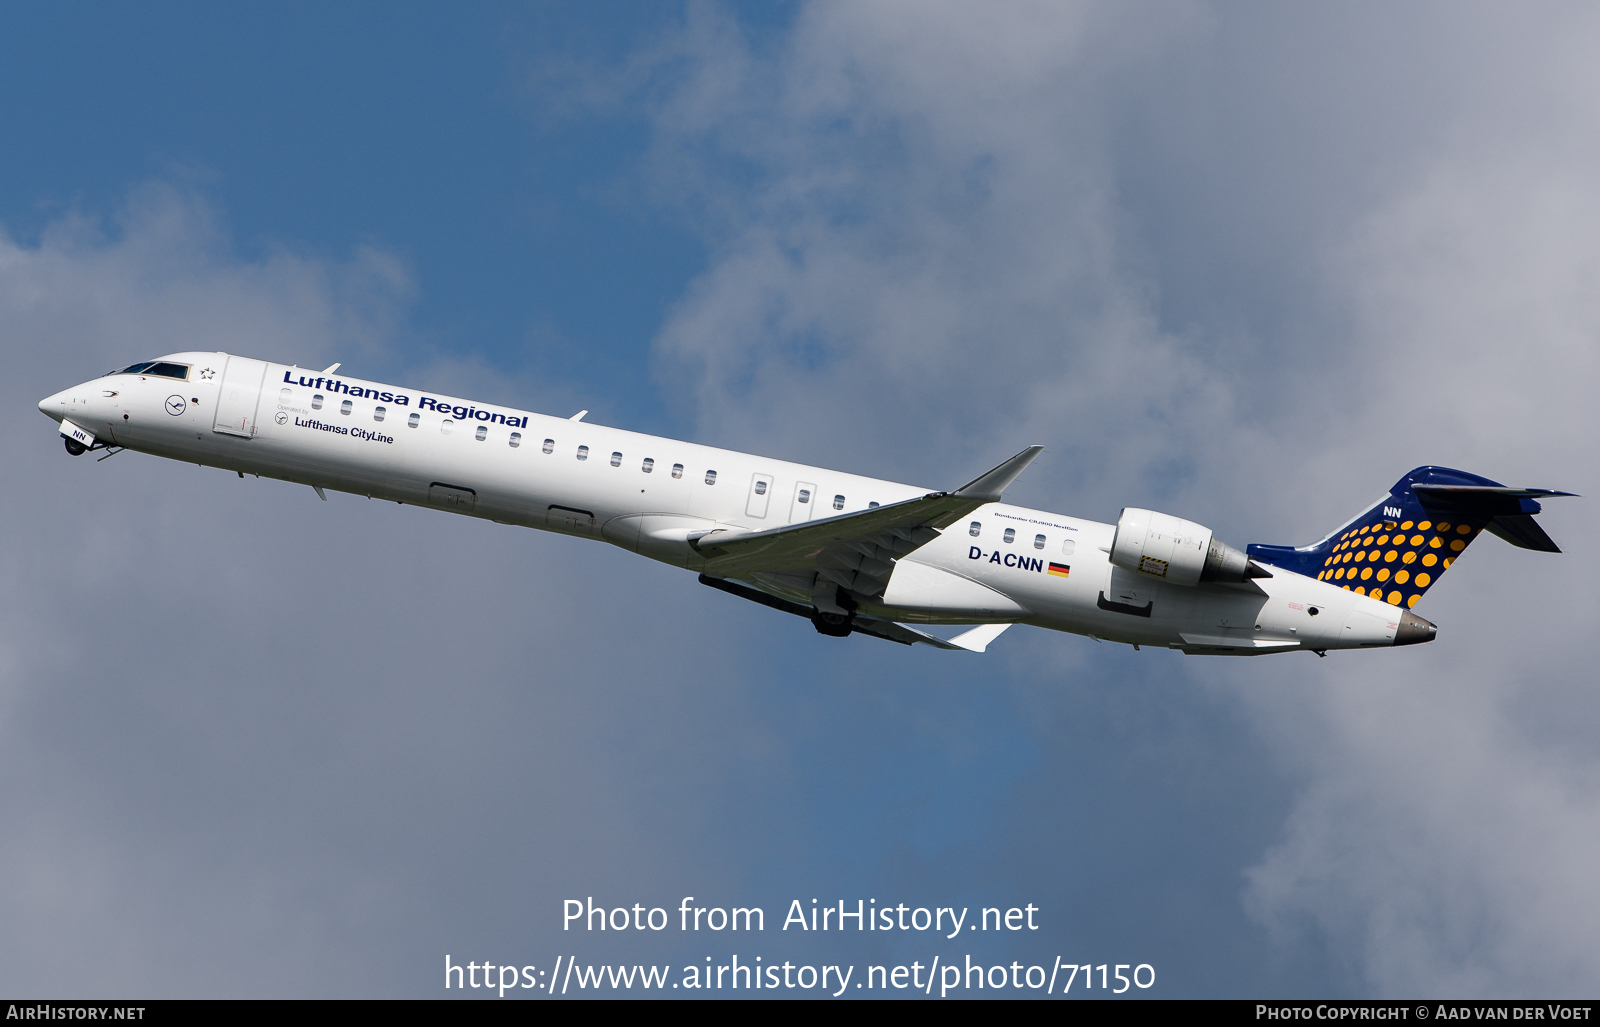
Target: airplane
(852,554)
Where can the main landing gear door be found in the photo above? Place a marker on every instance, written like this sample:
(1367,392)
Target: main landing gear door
(239,397)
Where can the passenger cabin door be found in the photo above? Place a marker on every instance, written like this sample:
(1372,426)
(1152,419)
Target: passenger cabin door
(805,500)
(760,495)
(239,397)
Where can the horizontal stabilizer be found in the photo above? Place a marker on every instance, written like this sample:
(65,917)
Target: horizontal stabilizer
(1507,511)
(1523,531)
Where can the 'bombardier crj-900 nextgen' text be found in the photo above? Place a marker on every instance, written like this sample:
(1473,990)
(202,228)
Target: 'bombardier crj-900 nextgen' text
(851,554)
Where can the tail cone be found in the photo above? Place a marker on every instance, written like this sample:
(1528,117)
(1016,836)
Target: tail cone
(1414,629)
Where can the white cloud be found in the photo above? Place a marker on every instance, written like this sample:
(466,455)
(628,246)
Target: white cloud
(257,744)
(1445,831)
(1248,269)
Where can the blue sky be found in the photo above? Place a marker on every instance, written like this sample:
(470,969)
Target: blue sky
(409,127)
(1244,263)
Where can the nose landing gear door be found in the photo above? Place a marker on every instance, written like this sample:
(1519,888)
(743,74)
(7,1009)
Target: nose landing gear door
(239,397)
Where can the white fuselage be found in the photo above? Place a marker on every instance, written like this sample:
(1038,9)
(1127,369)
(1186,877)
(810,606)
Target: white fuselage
(651,495)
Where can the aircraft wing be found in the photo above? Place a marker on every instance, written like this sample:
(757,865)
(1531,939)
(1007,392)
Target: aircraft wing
(854,551)
(974,640)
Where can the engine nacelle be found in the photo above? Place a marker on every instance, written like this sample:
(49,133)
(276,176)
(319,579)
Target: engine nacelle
(1177,551)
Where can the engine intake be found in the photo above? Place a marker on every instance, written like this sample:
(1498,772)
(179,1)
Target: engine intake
(1178,551)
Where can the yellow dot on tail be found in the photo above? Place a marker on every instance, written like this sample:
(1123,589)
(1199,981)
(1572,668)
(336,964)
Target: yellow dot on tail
(1434,543)
(1366,572)
(1401,577)
(1424,525)
(1394,598)
(1383,540)
(1413,600)
(1347,558)
(1423,580)
(1360,589)
(1457,545)
(1406,526)
(1339,573)
(1409,558)
(1429,560)
(1367,541)
(1390,556)
(1462,529)
(1416,540)
(1347,588)
(1444,526)
(1383,575)
(1447,562)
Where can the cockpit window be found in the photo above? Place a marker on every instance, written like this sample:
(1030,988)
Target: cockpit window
(169,370)
(164,368)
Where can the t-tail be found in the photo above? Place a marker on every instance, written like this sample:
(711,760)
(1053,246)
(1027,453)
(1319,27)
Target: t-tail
(1399,546)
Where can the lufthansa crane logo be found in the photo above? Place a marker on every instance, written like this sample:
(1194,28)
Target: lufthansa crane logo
(176,405)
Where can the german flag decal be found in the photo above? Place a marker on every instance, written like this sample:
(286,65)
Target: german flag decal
(1060,570)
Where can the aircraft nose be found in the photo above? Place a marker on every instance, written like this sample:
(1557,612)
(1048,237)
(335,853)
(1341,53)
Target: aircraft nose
(54,406)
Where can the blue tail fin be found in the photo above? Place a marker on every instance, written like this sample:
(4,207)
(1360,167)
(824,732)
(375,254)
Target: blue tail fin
(1397,548)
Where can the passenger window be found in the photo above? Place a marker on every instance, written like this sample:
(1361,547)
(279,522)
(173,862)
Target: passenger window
(285,395)
(316,401)
(677,470)
(805,495)
(838,502)
(711,477)
(516,439)
(378,413)
(446,426)
(414,420)
(1010,536)
(549,445)
(346,407)
(616,459)
(483,432)
(1038,541)
(1068,546)
(974,528)
(583,452)
(648,465)
(761,488)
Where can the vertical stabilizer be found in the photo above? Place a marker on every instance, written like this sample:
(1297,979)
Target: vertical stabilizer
(1399,546)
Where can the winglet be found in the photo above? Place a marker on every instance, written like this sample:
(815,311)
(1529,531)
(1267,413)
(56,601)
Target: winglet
(978,639)
(990,486)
